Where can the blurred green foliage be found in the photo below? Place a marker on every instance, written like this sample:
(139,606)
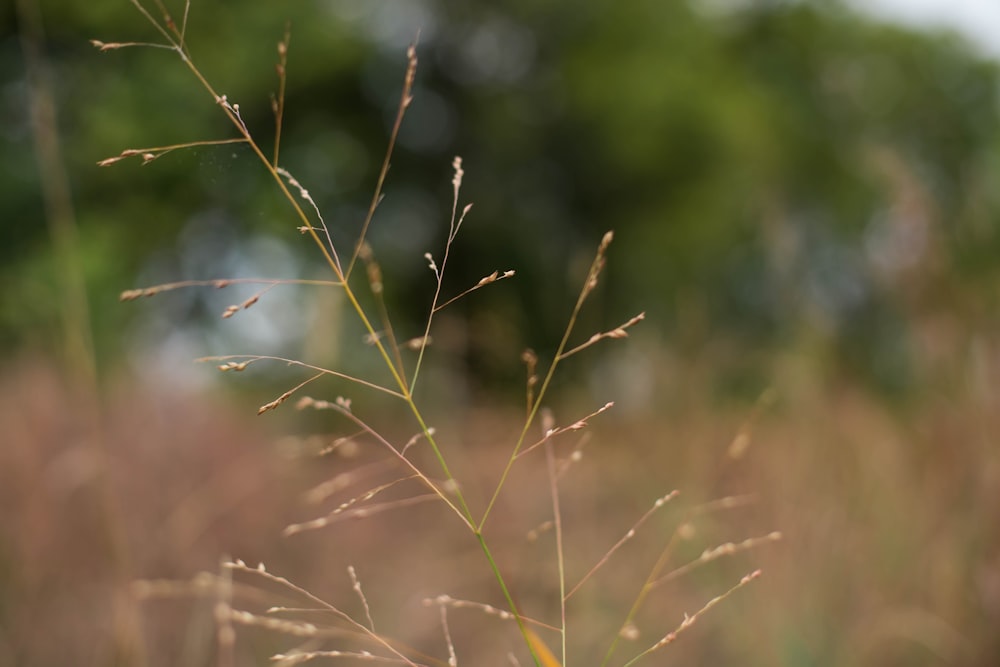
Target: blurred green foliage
(779,174)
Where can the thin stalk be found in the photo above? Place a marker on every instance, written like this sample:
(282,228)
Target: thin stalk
(510,600)
(550,462)
(595,269)
(453,226)
(250,358)
(279,103)
(647,586)
(404,102)
(360,627)
(218,283)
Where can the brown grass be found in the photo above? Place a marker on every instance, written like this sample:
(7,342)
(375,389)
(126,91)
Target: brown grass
(889,556)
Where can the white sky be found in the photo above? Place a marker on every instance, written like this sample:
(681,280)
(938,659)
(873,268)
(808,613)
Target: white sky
(978,19)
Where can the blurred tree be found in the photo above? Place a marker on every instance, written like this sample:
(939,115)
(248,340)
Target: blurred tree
(777,172)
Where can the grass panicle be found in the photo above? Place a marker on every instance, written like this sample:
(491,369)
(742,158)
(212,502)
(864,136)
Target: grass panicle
(412,481)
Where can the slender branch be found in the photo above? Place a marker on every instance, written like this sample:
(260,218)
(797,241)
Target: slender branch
(184,21)
(617,332)
(709,555)
(112,46)
(377,286)
(218,283)
(489,610)
(404,102)
(225,635)
(589,284)
(688,621)
(285,396)
(261,572)
(150,154)
(278,104)
(343,410)
(319,215)
(660,502)
(655,573)
(251,358)
(492,278)
(359,513)
(575,426)
(454,223)
(518,618)
(550,465)
(156,24)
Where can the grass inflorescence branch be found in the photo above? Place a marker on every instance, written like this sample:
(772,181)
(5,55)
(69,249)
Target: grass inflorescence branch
(421,482)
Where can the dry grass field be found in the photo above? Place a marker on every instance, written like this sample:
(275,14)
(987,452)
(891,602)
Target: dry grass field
(890,548)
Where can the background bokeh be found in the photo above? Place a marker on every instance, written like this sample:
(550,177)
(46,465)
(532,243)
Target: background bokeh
(804,204)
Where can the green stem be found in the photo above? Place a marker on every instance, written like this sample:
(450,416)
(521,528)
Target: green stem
(542,391)
(510,600)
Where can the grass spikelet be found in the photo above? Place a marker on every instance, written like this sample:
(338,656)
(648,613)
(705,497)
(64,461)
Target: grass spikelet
(551,431)
(294,628)
(688,621)
(709,555)
(356,585)
(284,397)
(660,502)
(618,332)
(358,513)
(452,657)
(297,658)
(363,631)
